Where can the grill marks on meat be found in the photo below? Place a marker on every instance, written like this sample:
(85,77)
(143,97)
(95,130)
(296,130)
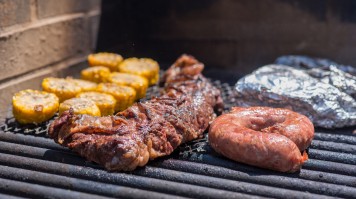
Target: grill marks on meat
(146,130)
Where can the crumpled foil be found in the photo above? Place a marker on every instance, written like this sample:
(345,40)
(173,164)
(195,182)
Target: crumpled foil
(336,77)
(315,93)
(305,62)
(341,76)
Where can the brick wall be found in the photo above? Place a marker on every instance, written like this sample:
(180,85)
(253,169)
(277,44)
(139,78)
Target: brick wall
(40,38)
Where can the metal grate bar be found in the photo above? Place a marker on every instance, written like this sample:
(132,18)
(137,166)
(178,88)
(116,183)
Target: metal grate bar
(335,147)
(348,139)
(274,181)
(332,167)
(332,156)
(31,141)
(62,156)
(39,191)
(187,176)
(259,176)
(10,196)
(123,179)
(41,153)
(327,177)
(76,184)
(311,164)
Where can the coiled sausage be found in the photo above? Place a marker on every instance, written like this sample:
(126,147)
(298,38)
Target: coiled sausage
(271,138)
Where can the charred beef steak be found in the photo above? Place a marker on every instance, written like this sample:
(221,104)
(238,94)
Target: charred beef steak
(146,130)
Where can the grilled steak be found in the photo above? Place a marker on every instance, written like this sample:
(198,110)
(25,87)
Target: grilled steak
(146,130)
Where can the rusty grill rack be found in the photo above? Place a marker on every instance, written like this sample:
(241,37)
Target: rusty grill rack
(32,165)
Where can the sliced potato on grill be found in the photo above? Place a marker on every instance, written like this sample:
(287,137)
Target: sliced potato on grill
(110,60)
(125,96)
(96,74)
(63,88)
(145,67)
(105,102)
(80,106)
(84,84)
(32,106)
(137,82)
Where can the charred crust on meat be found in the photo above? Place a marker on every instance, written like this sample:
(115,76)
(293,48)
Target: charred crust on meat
(146,130)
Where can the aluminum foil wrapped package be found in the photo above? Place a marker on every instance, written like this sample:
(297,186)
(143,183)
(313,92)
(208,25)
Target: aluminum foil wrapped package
(336,77)
(305,62)
(341,76)
(283,86)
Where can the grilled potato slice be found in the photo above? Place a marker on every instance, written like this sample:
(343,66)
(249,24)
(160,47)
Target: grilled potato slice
(125,96)
(80,106)
(84,84)
(145,67)
(32,106)
(105,102)
(110,60)
(137,82)
(63,88)
(96,74)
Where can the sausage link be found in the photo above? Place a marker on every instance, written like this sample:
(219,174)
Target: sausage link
(271,138)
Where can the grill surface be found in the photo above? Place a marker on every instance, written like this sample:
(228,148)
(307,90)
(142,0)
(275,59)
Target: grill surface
(32,165)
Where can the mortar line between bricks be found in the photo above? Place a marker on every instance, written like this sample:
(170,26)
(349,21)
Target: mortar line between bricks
(57,66)
(93,13)
(43,22)
(33,10)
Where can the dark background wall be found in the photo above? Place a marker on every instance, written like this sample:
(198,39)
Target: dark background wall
(231,35)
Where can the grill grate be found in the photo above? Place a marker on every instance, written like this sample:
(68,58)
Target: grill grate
(32,165)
